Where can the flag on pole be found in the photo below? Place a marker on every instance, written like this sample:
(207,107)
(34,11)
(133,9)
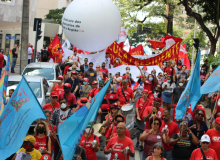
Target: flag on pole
(72,129)
(183,55)
(192,91)
(53,49)
(22,109)
(157,44)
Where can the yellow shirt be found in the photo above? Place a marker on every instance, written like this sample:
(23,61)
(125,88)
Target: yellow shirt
(35,154)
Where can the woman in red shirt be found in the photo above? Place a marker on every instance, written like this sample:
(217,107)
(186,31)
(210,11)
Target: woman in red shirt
(157,152)
(58,87)
(43,142)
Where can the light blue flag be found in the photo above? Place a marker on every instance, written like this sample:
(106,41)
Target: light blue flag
(213,83)
(147,50)
(192,91)
(72,129)
(22,109)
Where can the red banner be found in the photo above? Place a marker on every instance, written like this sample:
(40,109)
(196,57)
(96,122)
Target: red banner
(157,44)
(53,50)
(115,51)
(139,50)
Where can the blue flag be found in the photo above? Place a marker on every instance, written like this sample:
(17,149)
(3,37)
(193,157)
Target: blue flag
(213,83)
(147,50)
(72,129)
(192,91)
(22,109)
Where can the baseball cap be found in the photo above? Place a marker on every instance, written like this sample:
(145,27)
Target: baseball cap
(60,76)
(45,157)
(53,94)
(145,68)
(101,82)
(145,91)
(86,79)
(67,85)
(217,120)
(31,45)
(41,49)
(95,82)
(90,124)
(30,138)
(205,138)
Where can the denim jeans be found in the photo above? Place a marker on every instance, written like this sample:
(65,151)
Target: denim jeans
(13,64)
(144,156)
(0,72)
(168,154)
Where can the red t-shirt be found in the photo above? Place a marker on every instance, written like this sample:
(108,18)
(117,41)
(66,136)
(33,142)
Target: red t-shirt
(105,70)
(59,90)
(202,77)
(90,152)
(140,104)
(55,129)
(66,69)
(147,85)
(193,112)
(128,93)
(118,146)
(151,97)
(41,143)
(93,92)
(50,108)
(169,70)
(71,98)
(114,132)
(147,111)
(218,102)
(197,155)
(58,57)
(1,60)
(112,97)
(172,128)
(215,140)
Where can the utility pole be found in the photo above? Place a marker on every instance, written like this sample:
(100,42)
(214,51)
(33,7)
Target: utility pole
(24,35)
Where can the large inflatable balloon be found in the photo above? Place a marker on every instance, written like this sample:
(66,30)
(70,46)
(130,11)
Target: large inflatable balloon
(91,25)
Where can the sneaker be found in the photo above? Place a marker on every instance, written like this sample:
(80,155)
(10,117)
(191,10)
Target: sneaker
(141,148)
(137,144)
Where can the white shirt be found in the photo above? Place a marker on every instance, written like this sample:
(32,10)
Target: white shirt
(169,87)
(75,58)
(107,62)
(29,51)
(62,118)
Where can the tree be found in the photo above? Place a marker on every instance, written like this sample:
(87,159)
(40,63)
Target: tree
(55,15)
(209,14)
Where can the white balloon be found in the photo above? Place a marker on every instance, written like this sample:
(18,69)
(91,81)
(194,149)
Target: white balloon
(91,25)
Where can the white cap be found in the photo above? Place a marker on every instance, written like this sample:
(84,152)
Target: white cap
(205,138)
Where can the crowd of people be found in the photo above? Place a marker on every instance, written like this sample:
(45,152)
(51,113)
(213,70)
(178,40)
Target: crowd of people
(154,96)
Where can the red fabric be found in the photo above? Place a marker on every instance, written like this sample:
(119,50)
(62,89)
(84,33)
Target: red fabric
(217,106)
(202,77)
(48,107)
(193,112)
(157,44)
(1,60)
(75,58)
(119,146)
(58,57)
(174,111)
(147,85)
(140,104)
(59,90)
(172,128)
(66,69)
(210,155)
(114,132)
(139,50)
(71,98)
(41,143)
(53,47)
(55,129)
(129,84)
(147,111)
(169,70)
(215,140)
(128,93)
(109,97)
(185,57)
(92,92)
(105,70)
(90,152)
(151,97)
(32,56)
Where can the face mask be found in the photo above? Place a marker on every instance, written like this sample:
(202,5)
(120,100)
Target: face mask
(179,63)
(63,106)
(152,74)
(168,80)
(144,72)
(87,130)
(164,64)
(117,61)
(84,83)
(180,84)
(151,79)
(202,71)
(127,71)
(40,130)
(27,147)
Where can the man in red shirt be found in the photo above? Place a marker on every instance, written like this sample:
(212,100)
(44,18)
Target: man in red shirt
(214,135)
(1,62)
(53,104)
(70,98)
(94,88)
(67,69)
(150,111)
(58,87)
(120,146)
(171,128)
(125,91)
(170,70)
(104,71)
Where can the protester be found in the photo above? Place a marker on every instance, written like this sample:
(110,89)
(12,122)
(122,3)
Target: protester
(204,152)
(28,148)
(107,61)
(152,136)
(212,125)
(174,66)
(157,153)
(74,82)
(43,142)
(91,74)
(126,77)
(30,53)
(182,143)
(203,75)
(44,56)
(84,90)
(58,87)
(14,58)
(157,93)
(200,107)
(160,78)
(94,88)
(54,104)
(139,87)
(170,70)
(117,62)
(104,71)
(68,69)
(99,73)
(120,146)
(101,85)
(75,57)
(117,80)
(85,66)
(128,69)
(179,65)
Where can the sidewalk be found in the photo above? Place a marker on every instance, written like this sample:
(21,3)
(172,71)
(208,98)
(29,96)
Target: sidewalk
(17,70)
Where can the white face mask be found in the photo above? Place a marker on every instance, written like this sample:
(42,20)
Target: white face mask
(87,130)
(180,84)
(127,71)
(117,61)
(63,106)
(144,71)
(164,64)
(150,78)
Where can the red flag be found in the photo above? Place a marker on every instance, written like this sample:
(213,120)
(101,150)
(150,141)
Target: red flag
(139,50)
(184,56)
(80,51)
(53,50)
(157,44)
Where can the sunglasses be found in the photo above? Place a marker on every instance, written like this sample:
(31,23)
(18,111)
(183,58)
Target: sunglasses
(200,114)
(205,142)
(54,97)
(60,79)
(157,124)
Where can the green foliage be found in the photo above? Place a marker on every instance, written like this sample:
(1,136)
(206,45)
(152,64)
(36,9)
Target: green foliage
(214,60)
(55,15)
(135,39)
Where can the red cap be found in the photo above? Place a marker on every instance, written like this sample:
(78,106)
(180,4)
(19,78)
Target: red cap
(114,105)
(126,77)
(45,157)
(74,48)
(86,79)
(53,94)
(95,82)
(145,68)
(217,120)
(67,85)
(31,45)
(145,91)
(41,49)
(82,101)
(157,100)
(141,76)
(60,76)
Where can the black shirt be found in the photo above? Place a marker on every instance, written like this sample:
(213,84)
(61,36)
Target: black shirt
(183,148)
(177,93)
(73,83)
(14,55)
(44,56)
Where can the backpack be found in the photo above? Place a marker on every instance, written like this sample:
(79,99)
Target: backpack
(171,68)
(44,55)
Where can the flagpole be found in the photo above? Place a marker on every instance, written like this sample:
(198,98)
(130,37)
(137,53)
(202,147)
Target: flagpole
(215,105)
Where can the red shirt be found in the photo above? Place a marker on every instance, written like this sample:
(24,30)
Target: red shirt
(197,154)
(105,70)
(193,112)
(172,128)
(128,93)
(114,132)
(92,92)
(41,143)
(59,90)
(118,146)
(202,77)
(151,97)
(112,97)
(66,69)
(169,70)
(147,85)
(215,140)
(71,98)
(1,60)
(55,129)
(217,104)
(58,57)
(147,111)
(140,104)
(50,108)
(90,152)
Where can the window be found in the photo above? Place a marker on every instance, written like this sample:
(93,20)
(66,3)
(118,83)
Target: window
(47,73)
(7,43)
(0,40)
(17,40)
